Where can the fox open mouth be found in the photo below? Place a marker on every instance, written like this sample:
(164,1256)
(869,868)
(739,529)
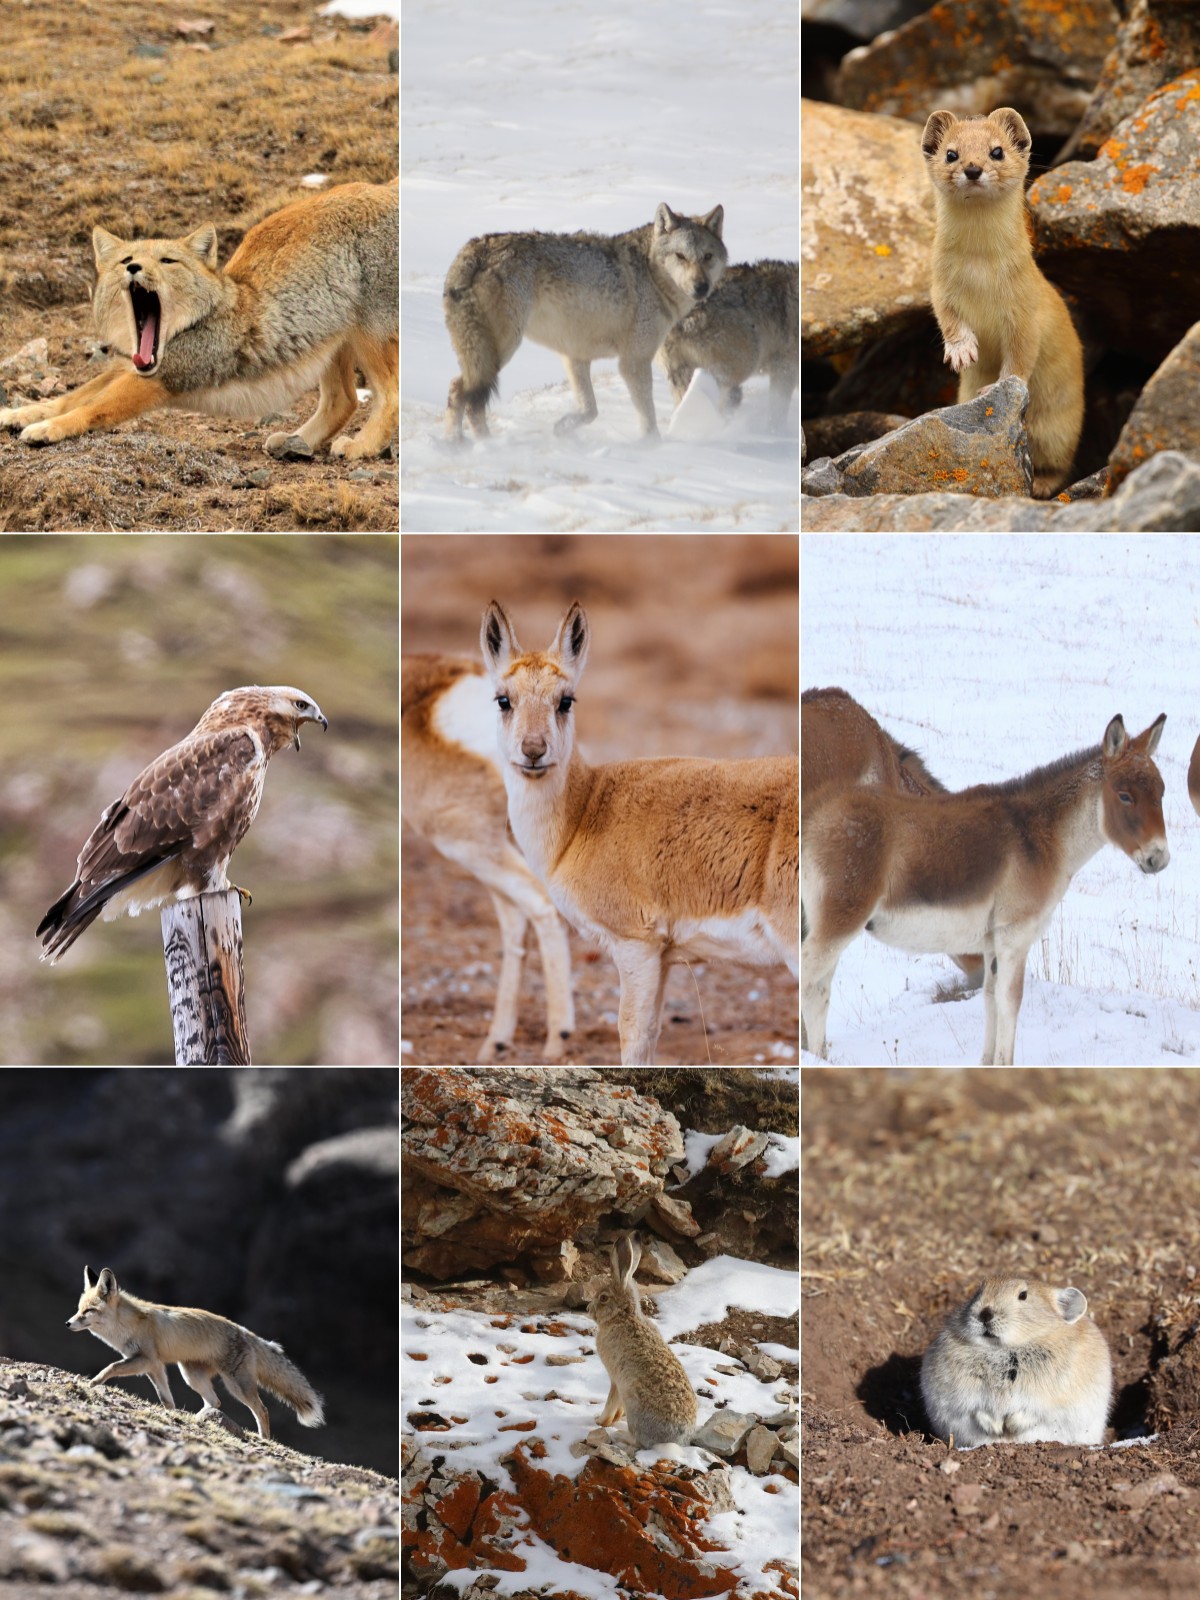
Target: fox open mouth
(146,317)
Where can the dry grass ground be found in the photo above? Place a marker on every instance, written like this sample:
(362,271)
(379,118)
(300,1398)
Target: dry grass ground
(112,116)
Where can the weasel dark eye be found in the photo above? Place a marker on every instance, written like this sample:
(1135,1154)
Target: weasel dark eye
(997,153)
(503,702)
(951,155)
(1024,1295)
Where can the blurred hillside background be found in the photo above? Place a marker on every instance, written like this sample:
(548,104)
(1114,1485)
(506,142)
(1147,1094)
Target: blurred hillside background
(111,649)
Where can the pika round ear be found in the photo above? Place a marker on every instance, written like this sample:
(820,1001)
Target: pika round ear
(105,246)
(203,243)
(1072,1303)
(935,132)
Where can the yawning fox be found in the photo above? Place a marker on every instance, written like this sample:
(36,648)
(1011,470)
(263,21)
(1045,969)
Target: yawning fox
(309,295)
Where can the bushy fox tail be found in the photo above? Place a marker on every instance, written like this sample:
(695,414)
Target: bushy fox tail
(277,1374)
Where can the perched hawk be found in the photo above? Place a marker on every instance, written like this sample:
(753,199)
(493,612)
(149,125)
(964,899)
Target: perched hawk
(172,832)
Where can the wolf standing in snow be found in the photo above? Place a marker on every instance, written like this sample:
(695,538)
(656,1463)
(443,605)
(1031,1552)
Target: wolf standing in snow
(751,324)
(582,294)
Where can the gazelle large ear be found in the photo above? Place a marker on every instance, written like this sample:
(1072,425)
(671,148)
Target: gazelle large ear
(572,639)
(497,639)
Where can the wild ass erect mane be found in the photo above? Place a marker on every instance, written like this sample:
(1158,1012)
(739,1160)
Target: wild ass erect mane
(1040,777)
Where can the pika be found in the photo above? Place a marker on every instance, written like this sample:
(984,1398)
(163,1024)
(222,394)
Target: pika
(1019,1362)
(999,316)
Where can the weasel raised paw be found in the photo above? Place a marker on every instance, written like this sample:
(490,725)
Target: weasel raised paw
(962,352)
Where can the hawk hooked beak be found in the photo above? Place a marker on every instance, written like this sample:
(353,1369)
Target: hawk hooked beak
(312,714)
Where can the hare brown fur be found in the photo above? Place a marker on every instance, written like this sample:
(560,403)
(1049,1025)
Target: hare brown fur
(648,1384)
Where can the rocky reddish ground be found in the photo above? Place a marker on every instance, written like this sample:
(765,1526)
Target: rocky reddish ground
(914,1186)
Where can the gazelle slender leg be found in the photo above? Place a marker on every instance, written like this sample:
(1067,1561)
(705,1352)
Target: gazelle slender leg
(502,870)
(641,969)
(556,969)
(498,1044)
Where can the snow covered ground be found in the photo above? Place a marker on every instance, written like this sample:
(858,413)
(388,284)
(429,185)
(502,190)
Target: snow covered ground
(992,655)
(560,117)
(487,1369)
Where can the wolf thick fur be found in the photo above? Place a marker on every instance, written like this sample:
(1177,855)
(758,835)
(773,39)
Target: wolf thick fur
(750,324)
(311,293)
(200,1343)
(582,294)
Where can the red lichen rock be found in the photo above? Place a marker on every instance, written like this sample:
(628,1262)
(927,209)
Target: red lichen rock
(644,1528)
(498,1162)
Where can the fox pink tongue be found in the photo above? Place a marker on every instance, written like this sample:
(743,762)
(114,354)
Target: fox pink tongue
(145,349)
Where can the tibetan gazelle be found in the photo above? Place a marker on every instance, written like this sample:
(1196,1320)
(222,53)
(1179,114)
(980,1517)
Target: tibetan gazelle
(451,793)
(658,861)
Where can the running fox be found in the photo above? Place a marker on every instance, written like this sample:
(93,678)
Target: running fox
(310,294)
(199,1343)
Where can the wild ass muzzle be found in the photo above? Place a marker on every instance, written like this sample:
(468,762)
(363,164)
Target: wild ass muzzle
(979,870)
(842,744)
(658,861)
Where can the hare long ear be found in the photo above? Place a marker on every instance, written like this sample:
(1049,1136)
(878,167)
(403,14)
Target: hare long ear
(628,1254)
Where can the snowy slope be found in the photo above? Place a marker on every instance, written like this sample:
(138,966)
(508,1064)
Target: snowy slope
(491,1367)
(992,655)
(558,117)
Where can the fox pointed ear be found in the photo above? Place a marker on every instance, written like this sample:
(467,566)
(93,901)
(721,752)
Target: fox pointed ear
(203,243)
(88,1280)
(105,246)
(107,1281)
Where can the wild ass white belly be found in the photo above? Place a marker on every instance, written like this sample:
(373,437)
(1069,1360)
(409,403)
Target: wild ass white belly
(934,930)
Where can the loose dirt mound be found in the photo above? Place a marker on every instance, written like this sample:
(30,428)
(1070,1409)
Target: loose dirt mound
(914,1186)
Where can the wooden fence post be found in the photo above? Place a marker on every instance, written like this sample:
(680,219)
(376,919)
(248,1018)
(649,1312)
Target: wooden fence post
(202,945)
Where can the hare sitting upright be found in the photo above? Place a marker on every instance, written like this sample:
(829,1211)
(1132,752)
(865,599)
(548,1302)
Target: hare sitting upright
(649,1386)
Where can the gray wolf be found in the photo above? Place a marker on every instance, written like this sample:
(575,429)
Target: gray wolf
(749,324)
(200,1343)
(311,293)
(582,294)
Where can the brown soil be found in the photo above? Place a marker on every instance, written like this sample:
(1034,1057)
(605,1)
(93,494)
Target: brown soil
(694,652)
(114,116)
(914,1186)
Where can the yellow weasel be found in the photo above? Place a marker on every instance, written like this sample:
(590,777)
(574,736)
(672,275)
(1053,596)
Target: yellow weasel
(999,316)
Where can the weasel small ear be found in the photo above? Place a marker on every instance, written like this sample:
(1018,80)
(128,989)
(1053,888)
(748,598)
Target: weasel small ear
(1015,124)
(935,132)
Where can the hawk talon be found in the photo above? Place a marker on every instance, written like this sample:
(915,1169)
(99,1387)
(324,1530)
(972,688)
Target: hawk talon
(245,893)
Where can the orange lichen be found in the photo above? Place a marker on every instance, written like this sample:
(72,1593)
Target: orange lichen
(883,249)
(626,1523)
(1135,179)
